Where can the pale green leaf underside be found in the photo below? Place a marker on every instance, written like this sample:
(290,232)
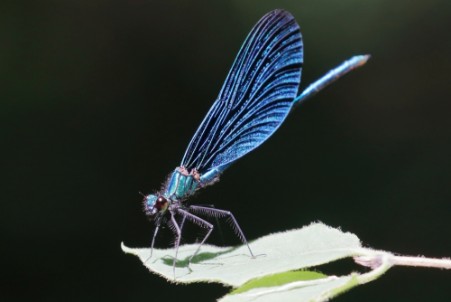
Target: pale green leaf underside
(278,273)
(309,246)
(274,275)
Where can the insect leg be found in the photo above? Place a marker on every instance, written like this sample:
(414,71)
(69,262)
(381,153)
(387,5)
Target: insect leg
(200,222)
(223,213)
(157,227)
(178,236)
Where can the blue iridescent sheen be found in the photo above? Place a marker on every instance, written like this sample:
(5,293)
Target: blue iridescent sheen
(255,98)
(181,186)
(258,94)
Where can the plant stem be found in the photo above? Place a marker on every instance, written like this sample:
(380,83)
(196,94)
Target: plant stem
(375,259)
(420,262)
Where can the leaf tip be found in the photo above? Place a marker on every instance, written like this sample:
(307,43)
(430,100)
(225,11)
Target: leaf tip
(125,248)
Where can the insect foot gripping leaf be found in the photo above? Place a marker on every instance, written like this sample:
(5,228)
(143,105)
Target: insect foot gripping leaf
(279,273)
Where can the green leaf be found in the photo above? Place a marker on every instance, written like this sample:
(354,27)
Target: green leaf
(273,275)
(278,280)
(309,246)
(315,290)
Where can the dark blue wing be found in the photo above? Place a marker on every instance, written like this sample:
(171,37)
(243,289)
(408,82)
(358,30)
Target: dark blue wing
(255,98)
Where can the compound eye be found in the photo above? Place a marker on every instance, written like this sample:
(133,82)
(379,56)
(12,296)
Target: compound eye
(161,203)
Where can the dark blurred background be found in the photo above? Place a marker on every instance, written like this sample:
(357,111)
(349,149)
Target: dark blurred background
(100,98)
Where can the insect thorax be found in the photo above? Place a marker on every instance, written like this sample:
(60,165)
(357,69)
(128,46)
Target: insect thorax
(181,184)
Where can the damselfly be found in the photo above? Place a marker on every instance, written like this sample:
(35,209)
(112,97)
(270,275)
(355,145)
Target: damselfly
(259,92)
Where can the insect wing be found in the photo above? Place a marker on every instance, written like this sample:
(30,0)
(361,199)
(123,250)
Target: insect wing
(256,97)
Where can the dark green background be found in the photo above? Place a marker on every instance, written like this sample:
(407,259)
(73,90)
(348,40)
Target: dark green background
(100,98)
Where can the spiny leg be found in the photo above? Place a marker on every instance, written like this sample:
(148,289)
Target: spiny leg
(157,227)
(153,239)
(178,236)
(217,225)
(223,213)
(182,223)
(200,222)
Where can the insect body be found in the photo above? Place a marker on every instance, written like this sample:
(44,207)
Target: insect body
(259,92)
